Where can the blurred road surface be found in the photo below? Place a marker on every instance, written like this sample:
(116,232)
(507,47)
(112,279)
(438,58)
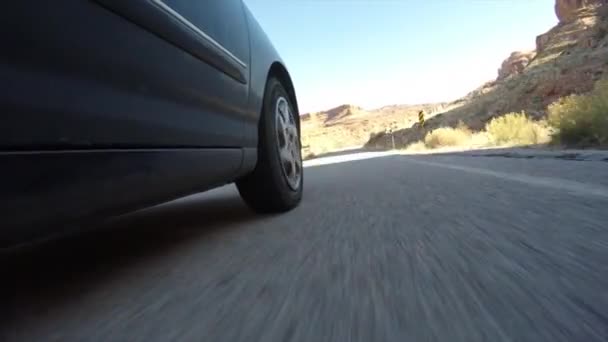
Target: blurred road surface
(383,248)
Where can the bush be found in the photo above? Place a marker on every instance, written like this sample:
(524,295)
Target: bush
(375,135)
(513,129)
(516,129)
(582,120)
(601,33)
(309,155)
(416,147)
(447,136)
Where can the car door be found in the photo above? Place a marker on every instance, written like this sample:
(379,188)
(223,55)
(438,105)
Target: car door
(124,73)
(113,105)
(215,34)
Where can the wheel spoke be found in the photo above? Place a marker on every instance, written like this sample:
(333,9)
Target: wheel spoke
(288,133)
(295,132)
(282,119)
(284,112)
(288,143)
(294,171)
(285,154)
(296,162)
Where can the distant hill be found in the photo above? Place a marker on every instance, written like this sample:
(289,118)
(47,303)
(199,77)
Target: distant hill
(349,125)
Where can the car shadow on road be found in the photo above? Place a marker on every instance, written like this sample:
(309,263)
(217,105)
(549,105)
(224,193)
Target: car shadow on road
(47,274)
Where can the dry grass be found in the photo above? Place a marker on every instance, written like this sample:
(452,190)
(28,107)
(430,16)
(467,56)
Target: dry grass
(480,139)
(582,120)
(447,136)
(416,147)
(513,129)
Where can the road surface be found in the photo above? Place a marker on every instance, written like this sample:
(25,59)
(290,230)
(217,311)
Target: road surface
(384,248)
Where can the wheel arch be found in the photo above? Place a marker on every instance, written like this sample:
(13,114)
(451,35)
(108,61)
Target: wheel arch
(278,70)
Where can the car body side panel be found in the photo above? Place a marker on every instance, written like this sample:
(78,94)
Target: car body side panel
(78,75)
(163,19)
(100,116)
(106,111)
(54,192)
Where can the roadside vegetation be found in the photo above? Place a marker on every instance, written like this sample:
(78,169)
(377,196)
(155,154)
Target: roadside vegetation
(513,129)
(582,120)
(309,155)
(573,121)
(448,136)
(516,129)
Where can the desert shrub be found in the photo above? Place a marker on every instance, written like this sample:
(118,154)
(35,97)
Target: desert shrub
(464,128)
(516,129)
(375,135)
(309,155)
(582,120)
(601,33)
(480,139)
(416,147)
(447,136)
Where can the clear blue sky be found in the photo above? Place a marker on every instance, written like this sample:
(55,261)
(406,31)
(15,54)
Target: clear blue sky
(379,52)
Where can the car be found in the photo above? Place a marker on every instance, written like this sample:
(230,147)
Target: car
(112,106)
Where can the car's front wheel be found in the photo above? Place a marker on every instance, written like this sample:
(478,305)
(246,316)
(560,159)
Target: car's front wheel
(276,183)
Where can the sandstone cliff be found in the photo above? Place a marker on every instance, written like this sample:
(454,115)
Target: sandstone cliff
(569,10)
(515,64)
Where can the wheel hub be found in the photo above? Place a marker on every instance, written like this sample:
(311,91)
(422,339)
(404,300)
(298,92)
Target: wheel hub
(288,143)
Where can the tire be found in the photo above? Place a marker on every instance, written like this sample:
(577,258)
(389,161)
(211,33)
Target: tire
(272,187)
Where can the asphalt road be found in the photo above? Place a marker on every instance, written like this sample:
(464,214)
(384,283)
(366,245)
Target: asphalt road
(391,248)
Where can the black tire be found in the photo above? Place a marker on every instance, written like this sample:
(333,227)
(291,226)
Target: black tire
(267,189)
